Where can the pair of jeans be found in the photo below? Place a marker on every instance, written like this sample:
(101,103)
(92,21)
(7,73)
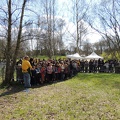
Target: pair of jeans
(27,80)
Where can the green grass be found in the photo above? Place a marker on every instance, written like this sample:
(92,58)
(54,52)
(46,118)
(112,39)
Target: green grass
(54,57)
(84,97)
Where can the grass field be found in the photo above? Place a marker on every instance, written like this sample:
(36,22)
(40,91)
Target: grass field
(41,57)
(84,97)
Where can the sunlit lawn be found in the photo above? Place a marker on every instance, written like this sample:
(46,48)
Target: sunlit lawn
(41,57)
(84,97)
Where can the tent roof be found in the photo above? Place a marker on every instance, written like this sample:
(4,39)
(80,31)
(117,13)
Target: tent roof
(74,56)
(93,55)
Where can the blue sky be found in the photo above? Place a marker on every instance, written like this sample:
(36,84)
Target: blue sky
(64,5)
(65,13)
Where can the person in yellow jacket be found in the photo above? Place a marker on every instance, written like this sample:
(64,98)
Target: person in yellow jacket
(26,67)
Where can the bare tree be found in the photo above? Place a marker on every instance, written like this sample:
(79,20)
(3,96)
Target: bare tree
(87,48)
(108,23)
(12,19)
(49,11)
(80,9)
(2,48)
(49,34)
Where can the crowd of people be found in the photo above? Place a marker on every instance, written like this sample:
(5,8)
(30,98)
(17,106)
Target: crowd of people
(32,71)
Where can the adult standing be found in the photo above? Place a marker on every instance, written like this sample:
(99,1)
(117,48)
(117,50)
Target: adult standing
(26,67)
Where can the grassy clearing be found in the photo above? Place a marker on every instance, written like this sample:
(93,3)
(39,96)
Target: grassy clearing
(41,57)
(84,97)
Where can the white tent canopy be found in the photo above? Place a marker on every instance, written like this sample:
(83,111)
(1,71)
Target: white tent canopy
(74,56)
(93,55)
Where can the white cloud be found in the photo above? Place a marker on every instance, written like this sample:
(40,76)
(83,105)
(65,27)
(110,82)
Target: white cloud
(94,37)
(70,29)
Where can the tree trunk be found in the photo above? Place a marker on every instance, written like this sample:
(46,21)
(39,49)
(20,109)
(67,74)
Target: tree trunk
(8,46)
(18,40)
(11,65)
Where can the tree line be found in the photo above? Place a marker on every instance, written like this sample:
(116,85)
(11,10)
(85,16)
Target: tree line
(35,28)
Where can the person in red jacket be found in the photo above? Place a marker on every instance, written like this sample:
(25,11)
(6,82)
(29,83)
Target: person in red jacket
(43,72)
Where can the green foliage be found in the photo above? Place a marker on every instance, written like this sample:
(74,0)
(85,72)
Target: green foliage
(41,57)
(59,57)
(118,55)
(109,56)
(106,56)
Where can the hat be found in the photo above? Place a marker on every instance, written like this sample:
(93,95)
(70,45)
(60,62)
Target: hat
(26,57)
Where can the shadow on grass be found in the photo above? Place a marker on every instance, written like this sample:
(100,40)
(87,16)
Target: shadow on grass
(17,87)
(9,90)
(103,79)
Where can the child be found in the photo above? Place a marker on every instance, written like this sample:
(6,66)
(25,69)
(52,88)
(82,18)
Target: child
(53,73)
(33,73)
(66,71)
(43,72)
(38,75)
(49,72)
